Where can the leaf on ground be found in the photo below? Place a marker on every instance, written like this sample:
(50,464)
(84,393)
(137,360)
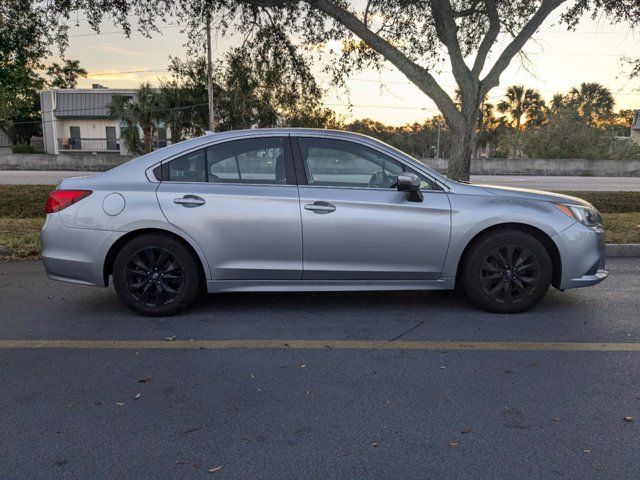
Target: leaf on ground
(453,443)
(171,338)
(120,404)
(137,396)
(374,445)
(215,469)
(302,366)
(465,430)
(586,450)
(628,419)
(144,380)
(556,419)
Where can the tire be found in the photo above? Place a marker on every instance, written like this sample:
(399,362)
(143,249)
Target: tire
(155,275)
(507,271)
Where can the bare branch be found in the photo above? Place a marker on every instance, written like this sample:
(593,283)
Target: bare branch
(489,39)
(366,13)
(493,77)
(447,32)
(467,12)
(414,72)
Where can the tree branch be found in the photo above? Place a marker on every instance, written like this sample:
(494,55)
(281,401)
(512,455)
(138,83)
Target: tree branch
(493,77)
(467,12)
(489,39)
(447,32)
(414,72)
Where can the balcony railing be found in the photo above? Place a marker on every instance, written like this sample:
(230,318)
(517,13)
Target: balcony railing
(89,144)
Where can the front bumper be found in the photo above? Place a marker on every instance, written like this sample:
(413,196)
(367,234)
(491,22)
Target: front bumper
(75,255)
(582,253)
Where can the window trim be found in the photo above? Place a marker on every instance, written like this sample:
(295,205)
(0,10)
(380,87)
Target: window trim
(290,171)
(301,173)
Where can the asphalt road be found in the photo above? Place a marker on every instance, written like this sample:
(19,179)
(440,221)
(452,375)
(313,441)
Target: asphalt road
(535,182)
(513,410)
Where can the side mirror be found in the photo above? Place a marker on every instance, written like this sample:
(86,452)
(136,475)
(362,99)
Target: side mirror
(410,183)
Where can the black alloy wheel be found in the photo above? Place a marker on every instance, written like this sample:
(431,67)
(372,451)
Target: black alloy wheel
(154,276)
(509,274)
(506,271)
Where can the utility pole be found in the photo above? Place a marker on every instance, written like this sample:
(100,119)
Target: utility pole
(212,126)
(438,144)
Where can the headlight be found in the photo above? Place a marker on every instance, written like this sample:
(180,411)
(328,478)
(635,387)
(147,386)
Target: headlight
(588,216)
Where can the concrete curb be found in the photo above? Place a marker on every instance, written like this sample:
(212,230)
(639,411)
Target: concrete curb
(5,251)
(622,250)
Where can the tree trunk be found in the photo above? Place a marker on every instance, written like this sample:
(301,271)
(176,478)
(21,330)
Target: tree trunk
(461,149)
(147,139)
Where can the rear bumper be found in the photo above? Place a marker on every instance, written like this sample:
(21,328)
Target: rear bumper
(75,255)
(582,250)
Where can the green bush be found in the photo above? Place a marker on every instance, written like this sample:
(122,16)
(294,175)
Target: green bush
(26,148)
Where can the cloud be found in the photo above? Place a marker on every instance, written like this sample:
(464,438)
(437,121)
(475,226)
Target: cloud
(120,51)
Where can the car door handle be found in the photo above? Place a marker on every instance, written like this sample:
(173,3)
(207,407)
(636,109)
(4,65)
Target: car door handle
(190,201)
(320,207)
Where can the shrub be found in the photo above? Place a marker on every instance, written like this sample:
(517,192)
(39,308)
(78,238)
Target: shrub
(26,148)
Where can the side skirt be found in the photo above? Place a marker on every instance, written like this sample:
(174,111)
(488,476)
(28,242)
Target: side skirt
(326,285)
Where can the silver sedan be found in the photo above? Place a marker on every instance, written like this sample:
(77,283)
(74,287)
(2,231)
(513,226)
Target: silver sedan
(311,210)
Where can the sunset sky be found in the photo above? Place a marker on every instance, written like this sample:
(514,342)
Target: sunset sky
(559,60)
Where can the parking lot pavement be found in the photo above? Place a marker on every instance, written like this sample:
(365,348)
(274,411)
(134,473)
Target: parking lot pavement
(125,410)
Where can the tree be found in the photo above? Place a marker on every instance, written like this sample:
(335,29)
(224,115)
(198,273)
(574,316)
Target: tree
(183,98)
(525,106)
(123,109)
(414,36)
(593,101)
(65,75)
(25,37)
(142,111)
(254,86)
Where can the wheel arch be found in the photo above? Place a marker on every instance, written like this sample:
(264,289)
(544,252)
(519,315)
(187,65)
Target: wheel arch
(121,241)
(538,234)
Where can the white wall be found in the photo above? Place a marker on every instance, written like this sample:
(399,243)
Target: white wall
(89,128)
(92,131)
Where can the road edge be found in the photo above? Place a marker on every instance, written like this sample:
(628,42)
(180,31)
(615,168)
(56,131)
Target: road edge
(622,250)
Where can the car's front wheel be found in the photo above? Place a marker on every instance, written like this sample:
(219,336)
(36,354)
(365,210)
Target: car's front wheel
(155,275)
(506,271)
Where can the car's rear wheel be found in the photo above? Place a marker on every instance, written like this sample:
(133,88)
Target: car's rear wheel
(507,271)
(155,275)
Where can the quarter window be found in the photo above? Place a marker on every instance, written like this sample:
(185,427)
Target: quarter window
(339,163)
(188,168)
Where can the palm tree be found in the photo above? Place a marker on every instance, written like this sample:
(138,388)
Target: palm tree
(557,103)
(122,109)
(143,111)
(593,101)
(524,106)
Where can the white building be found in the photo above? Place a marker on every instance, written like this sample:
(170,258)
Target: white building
(635,126)
(78,120)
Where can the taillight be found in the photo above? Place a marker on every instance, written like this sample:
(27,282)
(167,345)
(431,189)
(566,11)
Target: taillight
(61,199)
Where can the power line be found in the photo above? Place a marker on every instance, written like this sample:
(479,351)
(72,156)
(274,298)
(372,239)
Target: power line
(99,74)
(115,32)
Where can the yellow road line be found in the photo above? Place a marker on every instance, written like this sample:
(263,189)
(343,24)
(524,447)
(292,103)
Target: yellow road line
(315,344)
